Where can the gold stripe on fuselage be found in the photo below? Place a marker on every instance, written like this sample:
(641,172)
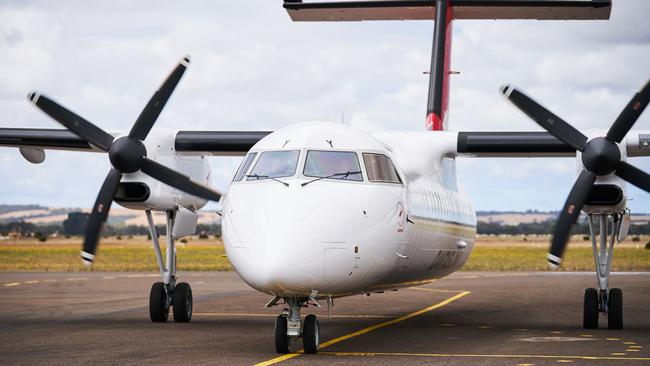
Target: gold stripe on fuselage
(445,227)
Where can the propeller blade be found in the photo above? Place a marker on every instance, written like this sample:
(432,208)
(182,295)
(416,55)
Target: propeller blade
(569,215)
(152,110)
(634,175)
(178,180)
(629,114)
(545,118)
(73,122)
(99,214)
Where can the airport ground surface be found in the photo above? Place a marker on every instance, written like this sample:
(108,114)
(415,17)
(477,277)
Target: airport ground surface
(469,318)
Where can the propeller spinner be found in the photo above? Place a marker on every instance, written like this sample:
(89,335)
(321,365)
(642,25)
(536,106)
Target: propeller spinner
(600,157)
(127,154)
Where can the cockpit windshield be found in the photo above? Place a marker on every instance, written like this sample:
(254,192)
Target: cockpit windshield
(341,165)
(275,164)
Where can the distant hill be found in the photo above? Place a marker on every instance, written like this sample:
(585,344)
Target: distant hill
(41,215)
(529,217)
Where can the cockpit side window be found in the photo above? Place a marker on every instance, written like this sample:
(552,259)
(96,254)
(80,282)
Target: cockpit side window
(243,168)
(275,164)
(380,168)
(341,165)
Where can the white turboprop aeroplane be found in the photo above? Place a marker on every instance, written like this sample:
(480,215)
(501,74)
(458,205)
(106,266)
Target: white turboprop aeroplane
(318,211)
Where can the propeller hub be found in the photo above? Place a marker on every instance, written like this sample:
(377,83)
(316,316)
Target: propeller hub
(601,156)
(126,154)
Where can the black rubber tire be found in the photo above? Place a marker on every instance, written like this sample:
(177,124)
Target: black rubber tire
(158,309)
(281,338)
(615,313)
(182,303)
(311,335)
(590,311)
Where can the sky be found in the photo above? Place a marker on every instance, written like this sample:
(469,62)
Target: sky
(254,69)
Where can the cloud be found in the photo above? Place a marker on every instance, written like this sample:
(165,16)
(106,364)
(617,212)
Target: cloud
(253,69)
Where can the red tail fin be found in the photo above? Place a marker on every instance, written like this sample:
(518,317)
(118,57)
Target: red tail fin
(438,100)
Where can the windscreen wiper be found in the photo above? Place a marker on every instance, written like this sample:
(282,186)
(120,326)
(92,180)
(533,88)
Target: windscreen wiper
(258,177)
(344,175)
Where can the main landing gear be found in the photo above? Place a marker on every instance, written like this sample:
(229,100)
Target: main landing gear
(288,328)
(604,300)
(168,293)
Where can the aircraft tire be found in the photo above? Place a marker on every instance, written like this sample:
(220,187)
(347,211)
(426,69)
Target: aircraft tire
(311,334)
(615,311)
(590,315)
(182,303)
(281,338)
(158,310)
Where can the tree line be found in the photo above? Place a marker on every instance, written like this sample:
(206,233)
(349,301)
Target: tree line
(76,222)
(545,227)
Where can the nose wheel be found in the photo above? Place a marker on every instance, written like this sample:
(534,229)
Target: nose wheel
(310,335)
(288,329)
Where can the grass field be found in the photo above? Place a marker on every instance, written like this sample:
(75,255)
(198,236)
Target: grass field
(136,254)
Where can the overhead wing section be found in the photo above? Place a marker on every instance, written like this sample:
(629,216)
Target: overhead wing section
(515,144)
(43,138)
(218,143)
(463,9)
(535,144)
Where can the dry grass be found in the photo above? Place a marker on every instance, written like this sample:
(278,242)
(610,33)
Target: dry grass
(511,258)
(114,255)
(136,254)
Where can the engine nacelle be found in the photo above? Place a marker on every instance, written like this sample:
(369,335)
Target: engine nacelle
(141,192)
(608,195)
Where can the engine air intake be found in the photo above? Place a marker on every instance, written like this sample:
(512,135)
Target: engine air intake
(132,192)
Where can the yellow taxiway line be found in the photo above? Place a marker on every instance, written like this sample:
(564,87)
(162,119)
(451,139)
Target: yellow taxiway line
(469,355)
(368,329)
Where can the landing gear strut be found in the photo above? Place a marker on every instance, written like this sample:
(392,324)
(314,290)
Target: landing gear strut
(168,293)
(289,327)
(603,300)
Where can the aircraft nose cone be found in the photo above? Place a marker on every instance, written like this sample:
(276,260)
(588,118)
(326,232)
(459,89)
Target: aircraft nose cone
(283,261)
(272,249)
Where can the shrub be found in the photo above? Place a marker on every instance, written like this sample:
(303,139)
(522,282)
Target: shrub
(586,238)
(647,245)
(636,238)
(42,238)
(119,237)
(184,241)
(203,235)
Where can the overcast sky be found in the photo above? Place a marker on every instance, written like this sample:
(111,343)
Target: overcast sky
(253,69)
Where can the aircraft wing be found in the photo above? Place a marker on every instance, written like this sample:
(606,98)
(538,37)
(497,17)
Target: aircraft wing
(535,144)
(217,143)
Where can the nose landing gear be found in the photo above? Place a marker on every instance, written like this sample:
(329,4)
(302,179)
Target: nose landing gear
(604,300)
(289,328)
